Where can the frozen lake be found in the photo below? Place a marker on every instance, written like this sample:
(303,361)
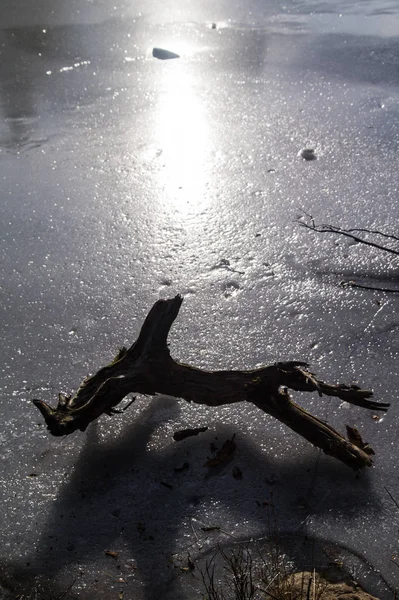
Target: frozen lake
(125,179)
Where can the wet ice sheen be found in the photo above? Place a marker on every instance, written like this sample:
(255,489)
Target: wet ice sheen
(125,179)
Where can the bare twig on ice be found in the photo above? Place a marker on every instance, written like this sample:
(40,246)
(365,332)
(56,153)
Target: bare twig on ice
(368,287)
(147,368)
(350,233)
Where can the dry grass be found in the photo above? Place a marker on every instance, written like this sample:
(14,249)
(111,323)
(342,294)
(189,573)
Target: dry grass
(242,573)
(249,577)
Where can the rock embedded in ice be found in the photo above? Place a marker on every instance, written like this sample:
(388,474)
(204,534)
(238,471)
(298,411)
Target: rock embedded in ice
(163,54)
(308,154)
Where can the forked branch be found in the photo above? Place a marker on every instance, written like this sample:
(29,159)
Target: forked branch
(352,234)
(147,368)
(356,234)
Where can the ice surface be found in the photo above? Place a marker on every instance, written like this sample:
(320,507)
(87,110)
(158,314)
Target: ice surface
(125,179)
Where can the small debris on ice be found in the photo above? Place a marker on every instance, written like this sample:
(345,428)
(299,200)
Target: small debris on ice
(308,154)
(237,473)
(178,436)
(167,485)
(224,454)
(184,467)
(163,54)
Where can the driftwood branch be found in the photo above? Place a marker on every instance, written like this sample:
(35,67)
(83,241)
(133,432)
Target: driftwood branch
(147,368)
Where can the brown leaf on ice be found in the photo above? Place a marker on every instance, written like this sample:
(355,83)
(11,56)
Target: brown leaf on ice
(237,473)
(178,436)
(182,468)
(226,452)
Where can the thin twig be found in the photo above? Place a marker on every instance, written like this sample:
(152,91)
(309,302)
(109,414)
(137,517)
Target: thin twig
(326,228)
(193,530)
(368,287)
(375,232)
(63,594)
(391,497)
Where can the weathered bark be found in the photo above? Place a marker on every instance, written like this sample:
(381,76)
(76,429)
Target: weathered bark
(147,368)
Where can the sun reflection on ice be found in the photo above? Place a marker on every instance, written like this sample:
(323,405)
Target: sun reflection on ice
(182,132)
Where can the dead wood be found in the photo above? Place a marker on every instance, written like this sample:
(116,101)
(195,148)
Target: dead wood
(373,288)
(147,368)
(352,234)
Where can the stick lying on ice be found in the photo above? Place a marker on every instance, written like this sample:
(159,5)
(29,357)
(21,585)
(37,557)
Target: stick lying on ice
(147,368)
